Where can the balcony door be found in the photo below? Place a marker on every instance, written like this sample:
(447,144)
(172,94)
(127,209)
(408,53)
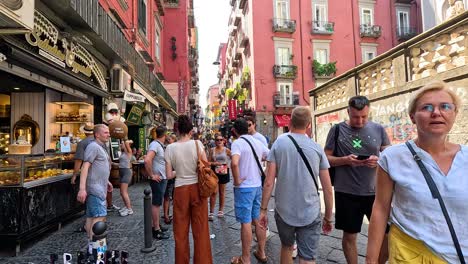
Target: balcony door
(283,56)
(403,22)
(320,16)
(282,12)
(285,92)
(321,55)
(367,17)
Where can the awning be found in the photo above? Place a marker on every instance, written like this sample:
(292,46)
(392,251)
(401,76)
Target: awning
(282,120)
(145,94)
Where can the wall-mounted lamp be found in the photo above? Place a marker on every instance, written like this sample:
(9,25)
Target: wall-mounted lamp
(173,48)
(264,121)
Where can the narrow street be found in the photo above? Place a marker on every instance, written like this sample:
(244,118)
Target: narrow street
(126,233)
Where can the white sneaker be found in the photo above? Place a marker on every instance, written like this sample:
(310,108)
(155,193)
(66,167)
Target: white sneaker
(122,209)
(130,211)
(267,232)
(294,254)
(124,212)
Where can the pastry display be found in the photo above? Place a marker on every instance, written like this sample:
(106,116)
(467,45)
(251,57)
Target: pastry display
(36,174)
(10,177)
(71,117)
(19,149)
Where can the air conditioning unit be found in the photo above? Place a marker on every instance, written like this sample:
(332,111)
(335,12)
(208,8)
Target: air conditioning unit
(16,17)
(121,80)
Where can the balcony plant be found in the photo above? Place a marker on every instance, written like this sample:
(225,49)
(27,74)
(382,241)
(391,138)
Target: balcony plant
(324,70)
(245,79)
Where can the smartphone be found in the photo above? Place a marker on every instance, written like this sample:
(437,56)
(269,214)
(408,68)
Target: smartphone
(363,157)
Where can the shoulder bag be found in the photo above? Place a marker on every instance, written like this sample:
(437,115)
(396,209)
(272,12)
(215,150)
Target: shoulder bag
(256,159)
(331,170)
(207,180)
(436,195)
(306,162)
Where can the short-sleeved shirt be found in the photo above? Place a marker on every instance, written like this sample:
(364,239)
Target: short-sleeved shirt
(183,158)
(415,211)
(81,146)
(99,171)
(159,164)
(248,167)
(364,141)
(294,184)
(260,138)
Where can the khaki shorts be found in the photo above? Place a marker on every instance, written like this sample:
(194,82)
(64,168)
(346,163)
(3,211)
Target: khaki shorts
(405,249)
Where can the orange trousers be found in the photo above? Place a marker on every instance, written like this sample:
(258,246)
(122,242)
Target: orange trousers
(191,210)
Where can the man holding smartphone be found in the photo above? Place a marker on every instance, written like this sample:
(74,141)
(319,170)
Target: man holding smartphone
(357,148)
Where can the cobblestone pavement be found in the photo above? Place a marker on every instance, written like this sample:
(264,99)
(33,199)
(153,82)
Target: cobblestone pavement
(126,233)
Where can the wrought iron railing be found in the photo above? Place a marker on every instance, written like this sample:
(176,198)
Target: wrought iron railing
(285,100)
(371,31)
(323,27)
(405,33)
(284,25)
(285,71)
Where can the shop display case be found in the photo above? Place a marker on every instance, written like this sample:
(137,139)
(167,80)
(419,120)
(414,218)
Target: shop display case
(36,195)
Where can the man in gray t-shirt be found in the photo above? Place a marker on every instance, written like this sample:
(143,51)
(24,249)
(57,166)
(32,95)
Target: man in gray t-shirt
(94,178)
(356,149)
(297,203)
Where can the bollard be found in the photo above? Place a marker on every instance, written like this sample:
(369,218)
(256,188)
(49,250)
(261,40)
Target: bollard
(99,241)
(148,223)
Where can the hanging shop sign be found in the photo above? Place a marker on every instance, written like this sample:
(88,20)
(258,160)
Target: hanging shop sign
(181,93)
(232,109)
(134,116)
(63,51)
(133,97)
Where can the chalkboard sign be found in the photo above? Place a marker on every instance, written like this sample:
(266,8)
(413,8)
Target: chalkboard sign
(114,148)
(134,116)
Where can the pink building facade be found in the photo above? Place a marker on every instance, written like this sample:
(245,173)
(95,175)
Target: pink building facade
(288,47)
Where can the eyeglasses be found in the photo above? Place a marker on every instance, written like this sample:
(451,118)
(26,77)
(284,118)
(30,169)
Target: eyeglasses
(443,107)
(219,139)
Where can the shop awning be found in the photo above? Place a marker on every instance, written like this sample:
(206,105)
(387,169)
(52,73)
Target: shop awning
(282,120)
(145,94)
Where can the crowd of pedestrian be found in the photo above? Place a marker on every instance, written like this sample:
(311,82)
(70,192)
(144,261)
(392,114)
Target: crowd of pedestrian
(414,194)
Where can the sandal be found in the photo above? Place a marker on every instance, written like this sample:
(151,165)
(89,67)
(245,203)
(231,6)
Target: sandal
(168,220)
(220,214)
(210,217)
(260,259)
(237,260)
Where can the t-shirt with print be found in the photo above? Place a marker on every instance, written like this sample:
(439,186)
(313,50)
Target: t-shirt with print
(260,138)
(248,168)
(294,184)
(364,141)
(98,173)
(159,164)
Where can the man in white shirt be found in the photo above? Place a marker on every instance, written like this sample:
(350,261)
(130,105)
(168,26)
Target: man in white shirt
(253,132)
(247,173)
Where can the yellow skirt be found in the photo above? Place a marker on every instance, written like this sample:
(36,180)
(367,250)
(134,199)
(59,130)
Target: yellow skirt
(405,249)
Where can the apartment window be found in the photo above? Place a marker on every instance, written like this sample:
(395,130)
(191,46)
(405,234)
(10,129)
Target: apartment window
(367,17)
(157,47)
(142,16)
(320,14)
(285,92)
(369,51)
(321,55)
(283,56)
(403,22)
(282,9)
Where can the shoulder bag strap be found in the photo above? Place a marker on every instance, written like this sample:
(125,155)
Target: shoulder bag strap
(436,195)
(198,151)
(337,133)
(162,146)
(305,161)
(256,157)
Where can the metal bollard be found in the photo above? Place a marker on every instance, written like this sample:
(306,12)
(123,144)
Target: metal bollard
(148,223)
(99,241)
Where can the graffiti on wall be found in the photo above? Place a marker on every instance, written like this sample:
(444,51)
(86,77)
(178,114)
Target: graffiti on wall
(392,114)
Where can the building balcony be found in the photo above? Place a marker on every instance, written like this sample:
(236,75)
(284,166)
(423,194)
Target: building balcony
(242,4)
(370,31)
(285,71)
(238,55)
(235,63)
(405,33)
(404,1)
(284,25)
(172,3)
(244,40)
(323,71)
(280,100)
(323,27)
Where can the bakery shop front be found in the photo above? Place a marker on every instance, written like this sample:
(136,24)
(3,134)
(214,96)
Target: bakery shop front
(50,86)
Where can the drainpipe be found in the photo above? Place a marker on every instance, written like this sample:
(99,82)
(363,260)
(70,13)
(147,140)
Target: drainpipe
(354,33)
(302,53)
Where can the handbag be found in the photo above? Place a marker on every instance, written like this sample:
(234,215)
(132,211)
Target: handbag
(207,180)
(331,170)
(436,195)
(306,162)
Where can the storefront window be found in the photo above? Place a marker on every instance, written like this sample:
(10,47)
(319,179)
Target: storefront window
(5,107)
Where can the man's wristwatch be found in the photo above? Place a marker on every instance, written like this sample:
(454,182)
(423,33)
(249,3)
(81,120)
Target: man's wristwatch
(264,209)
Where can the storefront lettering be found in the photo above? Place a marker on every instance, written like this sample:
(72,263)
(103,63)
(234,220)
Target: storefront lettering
(45,36)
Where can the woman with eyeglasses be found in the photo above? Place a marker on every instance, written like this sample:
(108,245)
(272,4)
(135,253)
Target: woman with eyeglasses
(419,232)
(219,158)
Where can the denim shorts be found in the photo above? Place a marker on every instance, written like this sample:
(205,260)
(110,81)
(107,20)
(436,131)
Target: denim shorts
(158,189)
(307,237)
(95,206)
(247,204)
